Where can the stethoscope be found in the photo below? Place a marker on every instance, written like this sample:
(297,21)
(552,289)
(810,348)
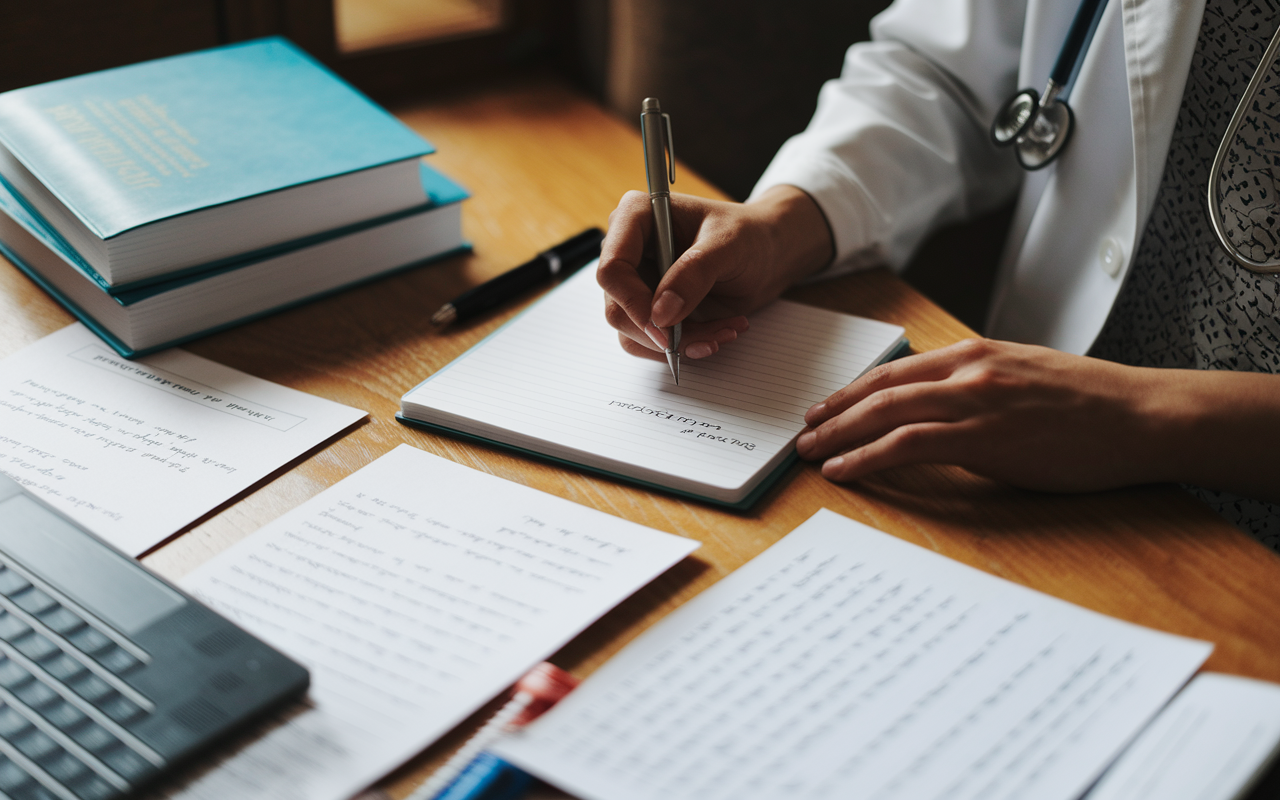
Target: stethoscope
(1224,147)
(1038,127)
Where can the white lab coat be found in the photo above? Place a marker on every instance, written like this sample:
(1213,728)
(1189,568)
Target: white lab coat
(899,145)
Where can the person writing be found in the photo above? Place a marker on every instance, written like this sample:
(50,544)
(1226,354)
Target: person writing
(1127,344)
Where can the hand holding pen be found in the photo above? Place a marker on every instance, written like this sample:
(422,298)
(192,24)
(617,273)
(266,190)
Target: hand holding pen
(735,258)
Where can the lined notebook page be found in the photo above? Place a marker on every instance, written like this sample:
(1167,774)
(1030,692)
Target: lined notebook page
(556,381)
(843,663)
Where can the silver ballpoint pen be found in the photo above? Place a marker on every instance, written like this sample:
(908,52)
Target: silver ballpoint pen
(659,165)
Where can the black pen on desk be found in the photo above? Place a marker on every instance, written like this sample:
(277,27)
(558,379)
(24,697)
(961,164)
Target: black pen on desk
(561,260)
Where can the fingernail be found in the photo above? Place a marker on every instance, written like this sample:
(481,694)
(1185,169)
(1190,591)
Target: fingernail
(725,335)
(832,465)
(813,413)
(806,440)
(701,349)
(668,305)
(655,333)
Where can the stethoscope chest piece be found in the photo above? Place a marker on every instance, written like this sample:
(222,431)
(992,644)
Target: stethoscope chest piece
(1038,129)
(1036,126)
(1014,117)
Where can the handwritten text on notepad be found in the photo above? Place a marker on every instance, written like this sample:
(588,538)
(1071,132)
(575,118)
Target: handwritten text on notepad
(554,381)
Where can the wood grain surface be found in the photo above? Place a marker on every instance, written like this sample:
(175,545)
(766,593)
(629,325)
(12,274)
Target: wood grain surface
(544,163)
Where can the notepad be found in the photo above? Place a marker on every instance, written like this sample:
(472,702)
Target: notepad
(844,663)
(555,383)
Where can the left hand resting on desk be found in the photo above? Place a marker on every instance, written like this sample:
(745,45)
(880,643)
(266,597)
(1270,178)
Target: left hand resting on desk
(1041,419)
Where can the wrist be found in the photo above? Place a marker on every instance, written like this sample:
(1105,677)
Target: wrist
(799,239)
(1218,429)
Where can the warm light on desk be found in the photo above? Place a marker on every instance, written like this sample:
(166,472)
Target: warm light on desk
(374,24)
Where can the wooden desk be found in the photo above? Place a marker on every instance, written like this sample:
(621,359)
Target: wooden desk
(544,163)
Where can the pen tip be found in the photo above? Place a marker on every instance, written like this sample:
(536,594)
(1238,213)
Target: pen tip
(673,361)
(445,315)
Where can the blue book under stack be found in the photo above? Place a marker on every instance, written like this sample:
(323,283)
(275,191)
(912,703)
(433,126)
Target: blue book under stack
(169,199)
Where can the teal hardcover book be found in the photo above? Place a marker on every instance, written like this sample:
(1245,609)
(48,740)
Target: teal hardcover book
(160,315)
(554,383)
(158,166)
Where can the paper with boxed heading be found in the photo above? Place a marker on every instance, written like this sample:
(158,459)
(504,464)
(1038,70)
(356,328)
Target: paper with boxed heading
(136,450)
(845,663)
(414,591)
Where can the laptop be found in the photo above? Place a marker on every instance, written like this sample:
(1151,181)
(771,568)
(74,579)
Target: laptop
(111,676)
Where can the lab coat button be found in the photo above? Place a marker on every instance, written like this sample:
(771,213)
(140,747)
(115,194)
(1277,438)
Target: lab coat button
(1111,256)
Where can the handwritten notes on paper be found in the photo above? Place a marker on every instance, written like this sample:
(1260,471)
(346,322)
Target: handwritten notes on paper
(555,381)
(844,663)
(135,450)
(415,590)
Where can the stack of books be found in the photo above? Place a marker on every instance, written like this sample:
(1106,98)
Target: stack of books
(166,200)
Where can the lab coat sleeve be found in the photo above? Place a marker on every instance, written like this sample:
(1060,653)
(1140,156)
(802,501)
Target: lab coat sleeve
(899,143)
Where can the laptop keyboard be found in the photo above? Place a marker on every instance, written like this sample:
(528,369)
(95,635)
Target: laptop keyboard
(64,711)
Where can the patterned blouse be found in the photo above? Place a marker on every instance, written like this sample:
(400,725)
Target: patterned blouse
(1185,303)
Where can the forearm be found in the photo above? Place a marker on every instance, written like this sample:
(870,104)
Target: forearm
(1216,429)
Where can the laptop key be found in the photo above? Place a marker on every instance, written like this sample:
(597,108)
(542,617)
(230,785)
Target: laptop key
(37,695)
(36,647)
(89,640)
(33,601)
(63,667)
(12,724)
(63,715)
(121,709)
(12,776)
(93,788)
(12,628)
(35,745)
(13,674)
(91,688)
(34,791)
(64,767)
(94,738)
(62,620)
(118,660)
(11,582)
(127,764)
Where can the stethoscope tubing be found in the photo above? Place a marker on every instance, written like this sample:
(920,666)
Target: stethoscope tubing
(1078,37)
(1224,147)
(1038,126)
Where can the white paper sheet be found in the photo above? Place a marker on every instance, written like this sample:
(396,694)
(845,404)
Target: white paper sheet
(415,590)
(556,381)
(136,450)
(845,663)
(1210,743)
